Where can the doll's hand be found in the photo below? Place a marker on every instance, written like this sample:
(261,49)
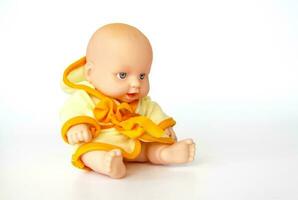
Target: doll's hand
(171,133)
(79,133)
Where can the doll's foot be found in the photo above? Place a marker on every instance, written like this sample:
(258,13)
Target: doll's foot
(113,164)
(105,162)
(179,152)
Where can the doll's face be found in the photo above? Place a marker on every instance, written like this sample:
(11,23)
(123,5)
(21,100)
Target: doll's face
(118,62)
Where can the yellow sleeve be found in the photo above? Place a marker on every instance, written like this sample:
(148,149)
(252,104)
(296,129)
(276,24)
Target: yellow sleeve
(153,111)
(78,109)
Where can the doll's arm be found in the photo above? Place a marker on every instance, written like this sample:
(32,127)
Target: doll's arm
(79,133)
(78,123)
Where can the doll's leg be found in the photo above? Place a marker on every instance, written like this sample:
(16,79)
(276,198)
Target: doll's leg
(142,157)
(106,162)
(179,152)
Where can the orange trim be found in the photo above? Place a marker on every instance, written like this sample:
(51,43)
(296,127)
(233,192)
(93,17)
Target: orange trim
(93,125)
(164,140)
(167,123)
(137,126)
(134,105)
(84,148)
(77,64)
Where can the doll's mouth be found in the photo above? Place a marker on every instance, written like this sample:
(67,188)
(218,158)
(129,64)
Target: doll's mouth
(131,96)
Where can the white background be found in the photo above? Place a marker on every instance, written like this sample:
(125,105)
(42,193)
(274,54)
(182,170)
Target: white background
(225,70)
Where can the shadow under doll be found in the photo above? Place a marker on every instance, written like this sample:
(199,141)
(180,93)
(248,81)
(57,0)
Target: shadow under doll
(142,181)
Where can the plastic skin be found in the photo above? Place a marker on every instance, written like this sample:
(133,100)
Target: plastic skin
(119,59)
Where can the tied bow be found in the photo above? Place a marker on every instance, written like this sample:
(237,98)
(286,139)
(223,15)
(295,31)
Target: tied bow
(122,117)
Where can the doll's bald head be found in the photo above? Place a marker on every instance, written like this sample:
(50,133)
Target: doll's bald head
(119,48)
(119,40)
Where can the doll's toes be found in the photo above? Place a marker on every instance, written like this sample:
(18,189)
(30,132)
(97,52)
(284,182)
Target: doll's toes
(110,157)
(192,151)
(192,147)
(191,156)
(189,141)
(114,165)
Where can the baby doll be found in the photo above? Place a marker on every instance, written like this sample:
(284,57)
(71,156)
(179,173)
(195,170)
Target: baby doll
(109,118)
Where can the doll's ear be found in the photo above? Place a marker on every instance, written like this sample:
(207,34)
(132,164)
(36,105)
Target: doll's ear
(87,71)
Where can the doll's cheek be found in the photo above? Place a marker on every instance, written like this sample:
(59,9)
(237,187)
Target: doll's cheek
(144,91)
(116,91)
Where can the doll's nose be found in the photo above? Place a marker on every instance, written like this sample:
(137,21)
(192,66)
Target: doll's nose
(135,83)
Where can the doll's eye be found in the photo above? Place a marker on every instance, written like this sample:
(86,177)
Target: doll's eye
(142,76)
(122,75)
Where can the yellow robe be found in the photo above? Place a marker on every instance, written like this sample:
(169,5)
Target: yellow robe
(113,124)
